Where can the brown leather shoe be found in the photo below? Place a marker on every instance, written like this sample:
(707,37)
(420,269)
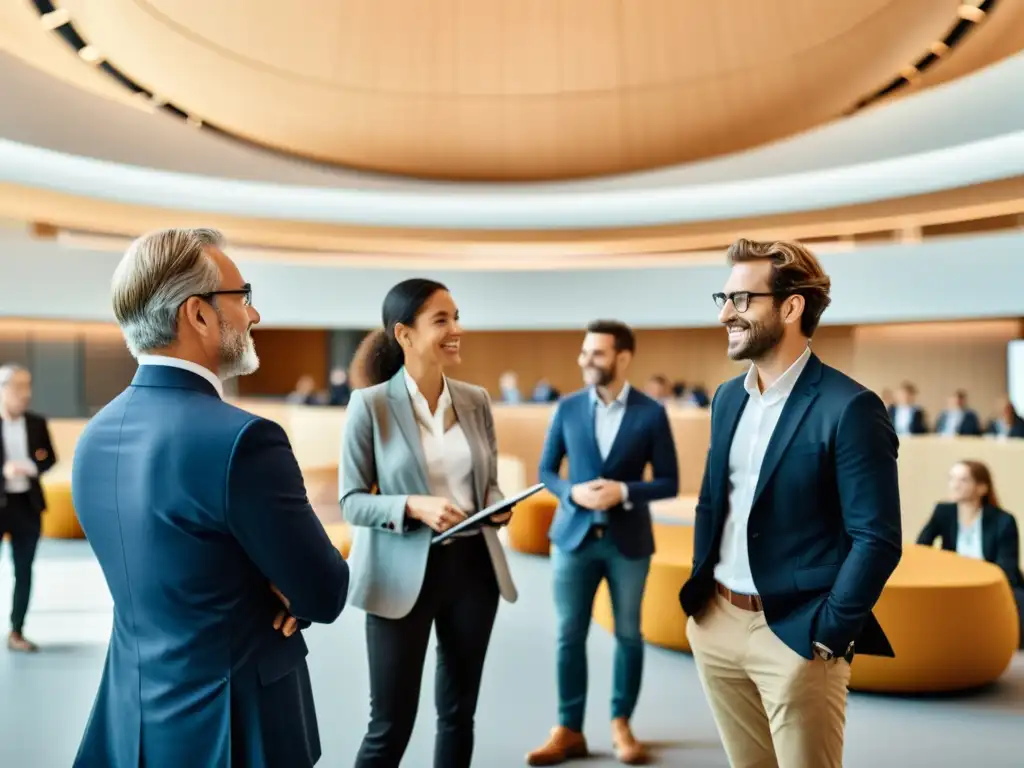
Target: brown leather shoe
(17,642)
(627,748)
(562,745)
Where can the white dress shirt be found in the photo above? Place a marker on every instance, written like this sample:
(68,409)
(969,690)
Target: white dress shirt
(607,421)
(746,454)
(15,436)
(449,460)
(186,365)
(968,540)
(903,419)
(951,422)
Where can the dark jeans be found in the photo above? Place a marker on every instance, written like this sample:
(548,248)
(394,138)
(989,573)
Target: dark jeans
(577,575)
(459,598)
(23,523)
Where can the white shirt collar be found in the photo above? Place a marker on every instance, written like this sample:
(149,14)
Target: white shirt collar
(185,365)
(781,387)
(443,403)
(620,399)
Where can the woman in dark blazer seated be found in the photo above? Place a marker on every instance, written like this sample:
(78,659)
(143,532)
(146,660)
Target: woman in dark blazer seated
(973,525)
(1007,423)
(419,455)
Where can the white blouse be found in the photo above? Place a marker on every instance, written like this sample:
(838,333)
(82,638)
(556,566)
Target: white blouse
(968,540)
(449,460)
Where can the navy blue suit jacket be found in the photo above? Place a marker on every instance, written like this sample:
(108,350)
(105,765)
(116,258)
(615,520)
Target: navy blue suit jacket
(825,531)
(193,508)
(644,437)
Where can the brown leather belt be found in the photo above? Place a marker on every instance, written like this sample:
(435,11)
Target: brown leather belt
(746,602)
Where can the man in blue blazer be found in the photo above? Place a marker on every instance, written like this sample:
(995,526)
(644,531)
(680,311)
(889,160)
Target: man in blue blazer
(198,515)
(610,433)
(798,522)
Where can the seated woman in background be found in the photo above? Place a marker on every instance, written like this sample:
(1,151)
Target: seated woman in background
(973,525)
(1006,423)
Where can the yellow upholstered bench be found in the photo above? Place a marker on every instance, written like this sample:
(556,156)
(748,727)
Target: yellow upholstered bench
(59,521)
(662,621)
(530,522)
(952,622)
(340,535)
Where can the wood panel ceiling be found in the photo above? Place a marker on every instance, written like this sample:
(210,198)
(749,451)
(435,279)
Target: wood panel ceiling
(511,89)
(961,210)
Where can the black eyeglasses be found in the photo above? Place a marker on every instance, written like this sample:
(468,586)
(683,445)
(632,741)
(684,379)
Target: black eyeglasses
(739,299)
(245,291)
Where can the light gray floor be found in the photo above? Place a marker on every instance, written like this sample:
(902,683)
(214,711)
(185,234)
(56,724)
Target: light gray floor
(45,699)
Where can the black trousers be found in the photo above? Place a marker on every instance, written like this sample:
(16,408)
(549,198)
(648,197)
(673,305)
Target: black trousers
(24,524)
(459,599)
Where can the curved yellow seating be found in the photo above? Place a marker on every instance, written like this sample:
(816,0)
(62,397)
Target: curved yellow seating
(662,621)
(530,522)
(59,521)
(952,622)
(341,537)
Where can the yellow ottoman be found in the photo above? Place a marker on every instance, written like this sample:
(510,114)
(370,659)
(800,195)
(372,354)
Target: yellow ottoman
(530,522)
(59,521)
(662,621)
(341,537)
(952,622)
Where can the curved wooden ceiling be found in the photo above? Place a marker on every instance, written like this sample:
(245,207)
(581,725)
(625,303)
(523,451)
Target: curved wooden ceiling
(511,89)
(945,212)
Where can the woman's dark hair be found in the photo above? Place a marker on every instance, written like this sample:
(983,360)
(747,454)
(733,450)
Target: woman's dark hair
(380,356)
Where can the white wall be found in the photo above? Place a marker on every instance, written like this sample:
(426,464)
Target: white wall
(951,278)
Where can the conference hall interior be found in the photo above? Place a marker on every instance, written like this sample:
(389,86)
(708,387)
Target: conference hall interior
(552,163)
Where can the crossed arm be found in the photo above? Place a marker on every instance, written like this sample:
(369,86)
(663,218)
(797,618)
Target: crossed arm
(269,515)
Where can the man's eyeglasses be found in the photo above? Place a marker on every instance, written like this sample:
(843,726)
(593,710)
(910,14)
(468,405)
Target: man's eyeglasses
(739,299)
(245,291)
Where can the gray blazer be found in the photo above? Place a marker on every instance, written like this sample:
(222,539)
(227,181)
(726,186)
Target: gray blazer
(381,448)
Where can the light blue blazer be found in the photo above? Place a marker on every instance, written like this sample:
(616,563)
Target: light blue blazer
(382,451)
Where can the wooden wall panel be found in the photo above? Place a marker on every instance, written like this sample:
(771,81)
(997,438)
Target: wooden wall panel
(938,357)
(285,355)
(691,355)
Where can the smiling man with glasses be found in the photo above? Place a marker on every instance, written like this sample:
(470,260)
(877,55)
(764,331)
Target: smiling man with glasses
(797,525)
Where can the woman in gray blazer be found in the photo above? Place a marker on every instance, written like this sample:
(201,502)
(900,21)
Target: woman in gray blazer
(418,456)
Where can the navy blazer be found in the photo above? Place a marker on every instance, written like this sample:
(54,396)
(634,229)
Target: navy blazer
(969,424)
(193,508)
(40,449)
(1000,540)
(825,531)
(918,425)
(644,437)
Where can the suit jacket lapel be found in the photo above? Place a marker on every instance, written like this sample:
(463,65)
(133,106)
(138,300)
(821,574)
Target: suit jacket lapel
(989,543)
(466,412)
(805,391)
(401,409)
(589,415)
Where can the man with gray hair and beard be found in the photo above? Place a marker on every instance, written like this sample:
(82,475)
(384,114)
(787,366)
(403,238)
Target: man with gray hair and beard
(198,515)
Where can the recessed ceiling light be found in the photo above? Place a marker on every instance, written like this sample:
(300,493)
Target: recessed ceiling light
(939,48)
(90,53)
(55,19)
(195,122)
